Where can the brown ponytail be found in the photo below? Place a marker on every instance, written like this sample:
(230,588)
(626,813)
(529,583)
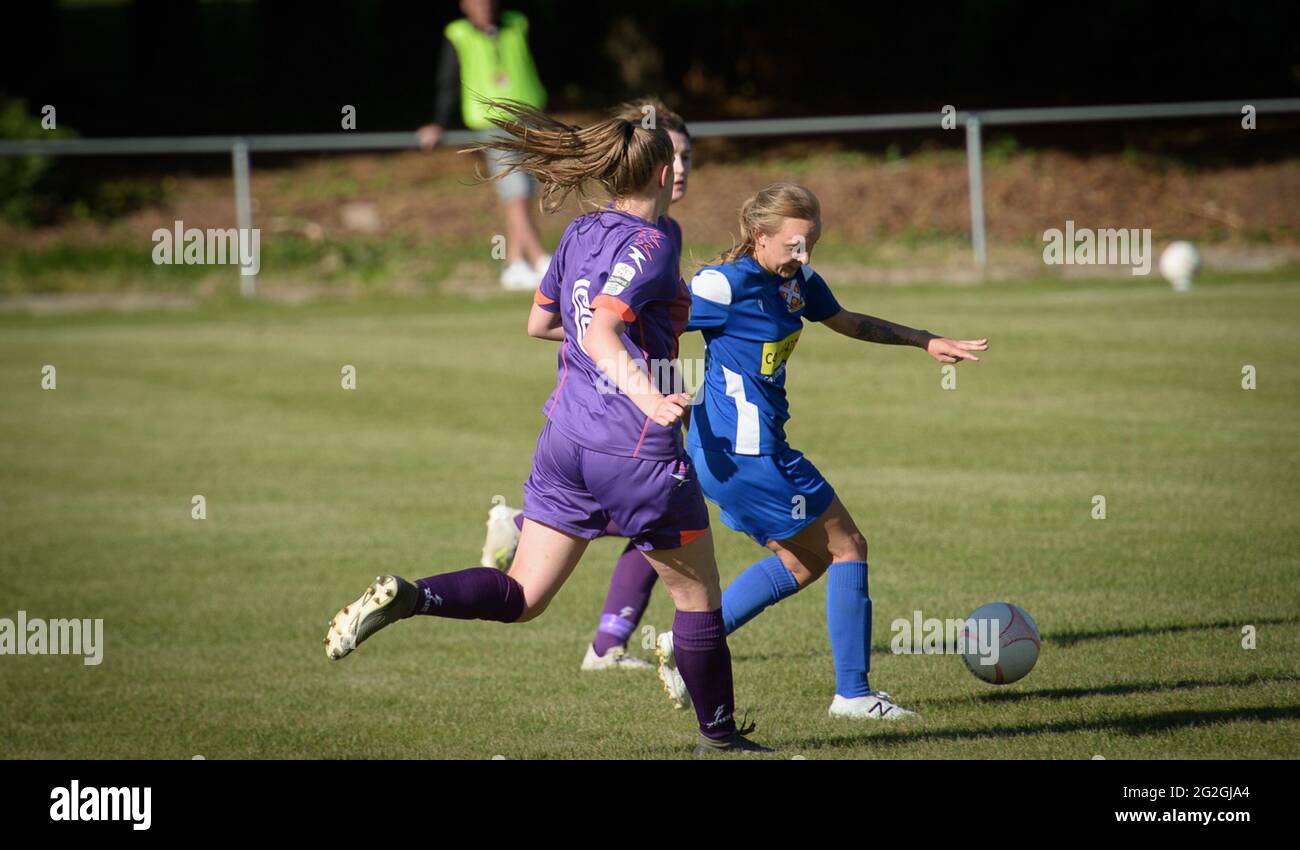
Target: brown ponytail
(638,110)
(618,154)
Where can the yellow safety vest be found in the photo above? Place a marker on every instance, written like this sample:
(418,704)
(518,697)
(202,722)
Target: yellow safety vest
(499,67)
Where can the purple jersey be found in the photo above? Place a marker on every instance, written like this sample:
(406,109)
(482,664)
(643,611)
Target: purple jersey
(616,261)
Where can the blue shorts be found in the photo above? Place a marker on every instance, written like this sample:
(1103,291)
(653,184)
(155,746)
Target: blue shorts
(768,497)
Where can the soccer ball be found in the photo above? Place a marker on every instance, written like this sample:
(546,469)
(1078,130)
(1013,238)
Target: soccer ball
(1016,636)
(1179,264)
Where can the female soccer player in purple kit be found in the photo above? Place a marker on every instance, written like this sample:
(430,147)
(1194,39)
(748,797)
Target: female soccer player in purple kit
(633,578)
(611,450)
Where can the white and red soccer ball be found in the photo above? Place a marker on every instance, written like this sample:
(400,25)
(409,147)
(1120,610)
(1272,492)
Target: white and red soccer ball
(1017,639)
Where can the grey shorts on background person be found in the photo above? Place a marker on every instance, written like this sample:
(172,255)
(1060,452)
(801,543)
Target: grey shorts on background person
(512,186)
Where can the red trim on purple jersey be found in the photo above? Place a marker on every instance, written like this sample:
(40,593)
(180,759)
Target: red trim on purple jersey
(691,536)
(647,239)
(614,305)
(564,347)
(644,428)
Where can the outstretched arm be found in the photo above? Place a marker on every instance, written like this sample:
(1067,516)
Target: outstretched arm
(871,329)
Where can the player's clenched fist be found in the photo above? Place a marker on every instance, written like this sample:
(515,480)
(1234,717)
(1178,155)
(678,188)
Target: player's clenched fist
(670,409)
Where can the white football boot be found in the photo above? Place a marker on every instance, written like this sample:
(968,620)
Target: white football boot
(673,683)
(387,600)
(615,658)
(519,277)
(502,537)
(542,265)
(878,706)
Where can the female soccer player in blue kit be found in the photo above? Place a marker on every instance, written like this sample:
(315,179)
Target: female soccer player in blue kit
(751,309)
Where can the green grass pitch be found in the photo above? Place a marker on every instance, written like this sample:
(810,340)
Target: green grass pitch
(1118,388)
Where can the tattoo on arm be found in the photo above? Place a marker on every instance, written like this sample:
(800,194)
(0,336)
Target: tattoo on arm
(871,329)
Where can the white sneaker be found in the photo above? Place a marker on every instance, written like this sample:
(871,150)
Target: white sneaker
(543,263)
(672,681)
(878,706)
(384,602)
(616,658)
(519,277)
(502,537)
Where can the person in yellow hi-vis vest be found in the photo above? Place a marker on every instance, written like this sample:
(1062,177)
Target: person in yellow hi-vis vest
(485,55)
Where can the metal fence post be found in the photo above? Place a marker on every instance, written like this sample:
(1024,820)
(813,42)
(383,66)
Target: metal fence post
(243,208)
(974,161)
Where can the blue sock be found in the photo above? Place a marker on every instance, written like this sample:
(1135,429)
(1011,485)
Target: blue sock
(848,621)
(764,583)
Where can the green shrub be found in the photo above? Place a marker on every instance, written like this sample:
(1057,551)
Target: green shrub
(23,192)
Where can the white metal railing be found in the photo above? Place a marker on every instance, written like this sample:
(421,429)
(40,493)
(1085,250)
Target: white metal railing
(240,147)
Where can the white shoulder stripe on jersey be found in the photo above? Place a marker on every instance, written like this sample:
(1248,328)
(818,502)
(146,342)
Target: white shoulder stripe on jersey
(806,272)
(712,285)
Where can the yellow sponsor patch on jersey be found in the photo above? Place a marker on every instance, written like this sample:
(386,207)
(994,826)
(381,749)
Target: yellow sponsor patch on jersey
(776,353)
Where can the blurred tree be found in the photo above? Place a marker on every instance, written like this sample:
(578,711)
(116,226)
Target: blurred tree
(21,196)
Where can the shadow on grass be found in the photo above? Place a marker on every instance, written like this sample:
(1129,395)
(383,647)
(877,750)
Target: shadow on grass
(1121,689)
(879,647)
(790,655)
(1071,638)
(1136,725)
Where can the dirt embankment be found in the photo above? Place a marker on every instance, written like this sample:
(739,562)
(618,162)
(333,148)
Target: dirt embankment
(896,219)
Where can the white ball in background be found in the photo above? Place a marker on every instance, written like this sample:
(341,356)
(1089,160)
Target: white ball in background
(1179,264)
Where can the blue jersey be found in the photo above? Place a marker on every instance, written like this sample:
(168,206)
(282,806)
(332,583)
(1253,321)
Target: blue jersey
(751,320)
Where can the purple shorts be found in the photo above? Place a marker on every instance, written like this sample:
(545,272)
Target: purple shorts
(657,504)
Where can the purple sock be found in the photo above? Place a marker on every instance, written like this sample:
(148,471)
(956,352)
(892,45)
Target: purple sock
(479,593)
(703,659)
(629,594)
(519,521)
